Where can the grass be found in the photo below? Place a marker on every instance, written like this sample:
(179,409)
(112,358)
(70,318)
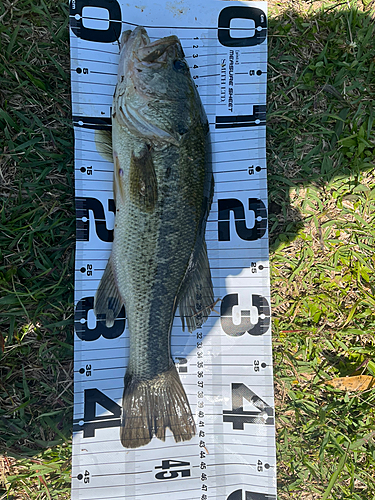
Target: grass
(321,146)
(36,247)
(320,149)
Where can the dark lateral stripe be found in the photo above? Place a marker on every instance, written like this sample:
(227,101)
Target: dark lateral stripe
(92,122)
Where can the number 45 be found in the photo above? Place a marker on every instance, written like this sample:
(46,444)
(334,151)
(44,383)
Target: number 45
(172,474)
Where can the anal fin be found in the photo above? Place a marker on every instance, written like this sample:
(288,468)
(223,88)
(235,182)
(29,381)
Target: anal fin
(108,300)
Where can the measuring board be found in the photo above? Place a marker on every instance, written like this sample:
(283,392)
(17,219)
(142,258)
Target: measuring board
(226,365)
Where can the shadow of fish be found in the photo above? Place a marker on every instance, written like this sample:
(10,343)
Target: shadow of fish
(163,187)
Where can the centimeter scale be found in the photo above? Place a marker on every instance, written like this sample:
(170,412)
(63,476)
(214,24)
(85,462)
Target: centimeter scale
(225,365)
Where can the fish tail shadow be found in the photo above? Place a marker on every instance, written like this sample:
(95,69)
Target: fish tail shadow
(150,406)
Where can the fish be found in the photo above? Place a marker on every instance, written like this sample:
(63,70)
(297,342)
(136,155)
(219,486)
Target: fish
(163,189)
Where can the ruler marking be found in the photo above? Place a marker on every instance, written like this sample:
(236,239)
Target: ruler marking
(231,267)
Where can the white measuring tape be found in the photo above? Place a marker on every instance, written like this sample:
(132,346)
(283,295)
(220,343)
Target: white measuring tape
(226,365)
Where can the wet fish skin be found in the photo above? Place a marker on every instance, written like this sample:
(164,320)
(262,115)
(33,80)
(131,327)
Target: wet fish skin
(163,189)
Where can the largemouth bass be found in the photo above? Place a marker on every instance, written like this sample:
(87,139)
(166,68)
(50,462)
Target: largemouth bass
(163,188)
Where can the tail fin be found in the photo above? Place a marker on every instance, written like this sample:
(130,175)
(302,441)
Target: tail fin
(150,406)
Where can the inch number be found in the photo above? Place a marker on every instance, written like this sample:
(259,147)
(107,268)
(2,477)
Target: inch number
(249,13)
(262,414)
(91,421)
(226,316)
(101,330)
(109,35)
(233,205)
(172,474)
(83,207)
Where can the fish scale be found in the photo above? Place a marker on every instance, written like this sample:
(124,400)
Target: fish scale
(151,245)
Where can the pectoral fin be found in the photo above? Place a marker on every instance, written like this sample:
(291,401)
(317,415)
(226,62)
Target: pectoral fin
(196,297)
(108,300)
(103,142)
(118,186)
(143,183)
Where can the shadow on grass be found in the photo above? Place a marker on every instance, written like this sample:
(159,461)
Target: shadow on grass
(320,110)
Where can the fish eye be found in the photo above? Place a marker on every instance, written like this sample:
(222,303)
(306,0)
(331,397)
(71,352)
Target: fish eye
(180,66)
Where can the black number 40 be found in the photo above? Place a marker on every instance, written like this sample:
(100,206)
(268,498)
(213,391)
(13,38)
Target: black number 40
(172,474)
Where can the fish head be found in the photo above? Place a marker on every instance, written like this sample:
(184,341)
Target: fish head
(160,100)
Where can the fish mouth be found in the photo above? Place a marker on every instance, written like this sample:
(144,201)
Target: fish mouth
(157,51)
(138,43)
(135,38)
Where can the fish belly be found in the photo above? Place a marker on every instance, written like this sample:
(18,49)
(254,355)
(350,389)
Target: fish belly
(151,253)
